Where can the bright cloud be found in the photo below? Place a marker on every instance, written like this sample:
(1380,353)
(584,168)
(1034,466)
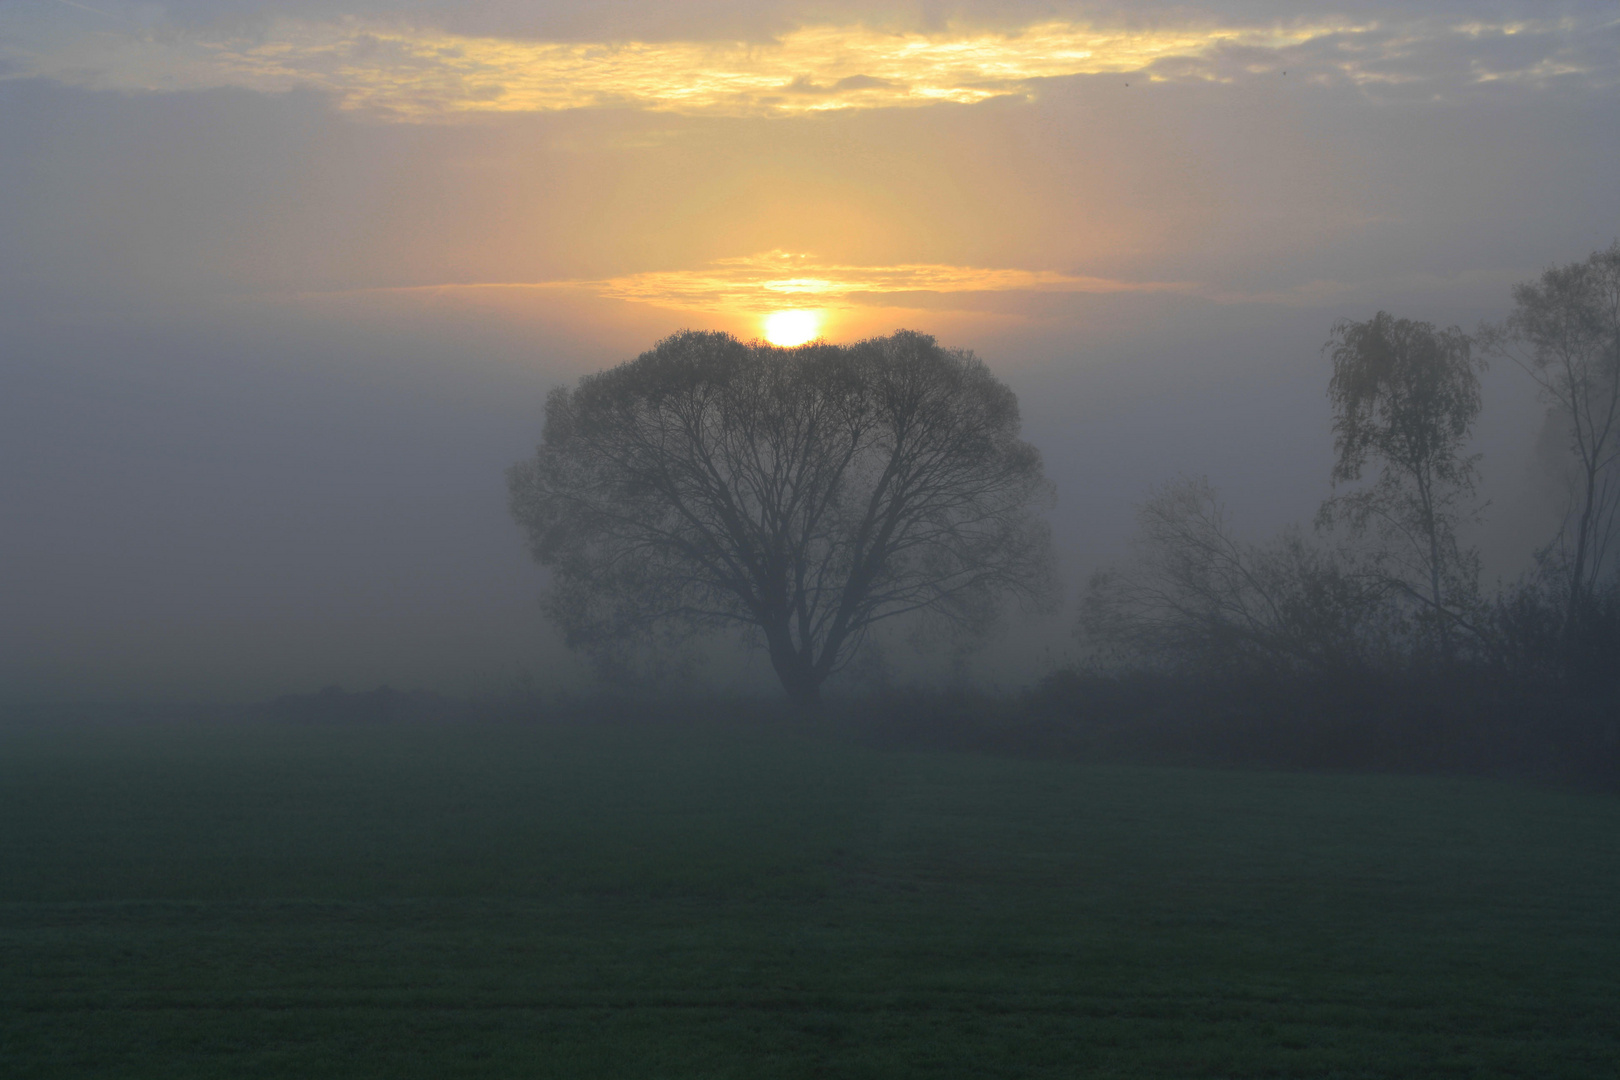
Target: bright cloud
(775,280)
(770,280)
(414,73)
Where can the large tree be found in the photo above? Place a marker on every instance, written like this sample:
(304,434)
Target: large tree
(1405,396)
(807,493)
(1565,331)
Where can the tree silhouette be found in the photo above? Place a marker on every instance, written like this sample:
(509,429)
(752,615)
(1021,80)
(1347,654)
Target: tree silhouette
(1195,597)
(809,493)
(1565,331)
(1406,394)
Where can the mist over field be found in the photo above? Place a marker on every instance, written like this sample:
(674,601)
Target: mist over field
(272,326)
(800,538)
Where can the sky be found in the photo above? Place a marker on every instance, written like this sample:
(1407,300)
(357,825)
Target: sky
(283,286)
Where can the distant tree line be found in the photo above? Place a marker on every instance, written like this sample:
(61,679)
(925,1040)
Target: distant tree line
(1384,582)
(807,496)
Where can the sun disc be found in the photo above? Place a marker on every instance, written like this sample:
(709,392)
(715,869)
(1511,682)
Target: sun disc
(790,328)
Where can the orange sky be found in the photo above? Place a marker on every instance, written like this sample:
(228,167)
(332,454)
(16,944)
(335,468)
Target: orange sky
(282,286)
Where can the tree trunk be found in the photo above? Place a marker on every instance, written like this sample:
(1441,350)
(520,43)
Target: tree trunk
(1432,527)
(1577,573)
(798,676)
(1442,624)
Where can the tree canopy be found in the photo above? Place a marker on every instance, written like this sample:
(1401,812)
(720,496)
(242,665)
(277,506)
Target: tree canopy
(1565,331)
(807,493)
(1405,395)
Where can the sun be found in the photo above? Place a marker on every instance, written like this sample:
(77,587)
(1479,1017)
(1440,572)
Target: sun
(790,328)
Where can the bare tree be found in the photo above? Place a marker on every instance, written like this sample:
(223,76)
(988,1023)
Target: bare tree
(807,493)
(1406,394)
(1194,595)
(1565,332)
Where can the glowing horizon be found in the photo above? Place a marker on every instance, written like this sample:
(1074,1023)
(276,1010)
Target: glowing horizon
(761,283)
(761,286)
(790,328)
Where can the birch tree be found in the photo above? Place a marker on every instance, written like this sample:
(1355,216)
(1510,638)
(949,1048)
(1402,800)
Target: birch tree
(1405,396)
(1565,332)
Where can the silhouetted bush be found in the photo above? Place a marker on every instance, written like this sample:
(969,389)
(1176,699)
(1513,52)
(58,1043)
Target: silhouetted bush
(1456,722)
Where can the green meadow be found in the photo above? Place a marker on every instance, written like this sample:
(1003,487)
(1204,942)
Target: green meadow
(714,898)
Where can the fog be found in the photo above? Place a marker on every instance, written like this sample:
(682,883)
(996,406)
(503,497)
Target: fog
(265,353)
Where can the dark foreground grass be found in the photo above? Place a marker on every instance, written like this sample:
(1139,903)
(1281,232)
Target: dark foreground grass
(708,899)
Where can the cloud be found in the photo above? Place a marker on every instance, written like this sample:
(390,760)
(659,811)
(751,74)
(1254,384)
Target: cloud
(409,72)
(1429,59)
(776,279)
(773,280)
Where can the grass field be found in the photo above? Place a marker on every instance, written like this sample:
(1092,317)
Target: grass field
(263,899)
